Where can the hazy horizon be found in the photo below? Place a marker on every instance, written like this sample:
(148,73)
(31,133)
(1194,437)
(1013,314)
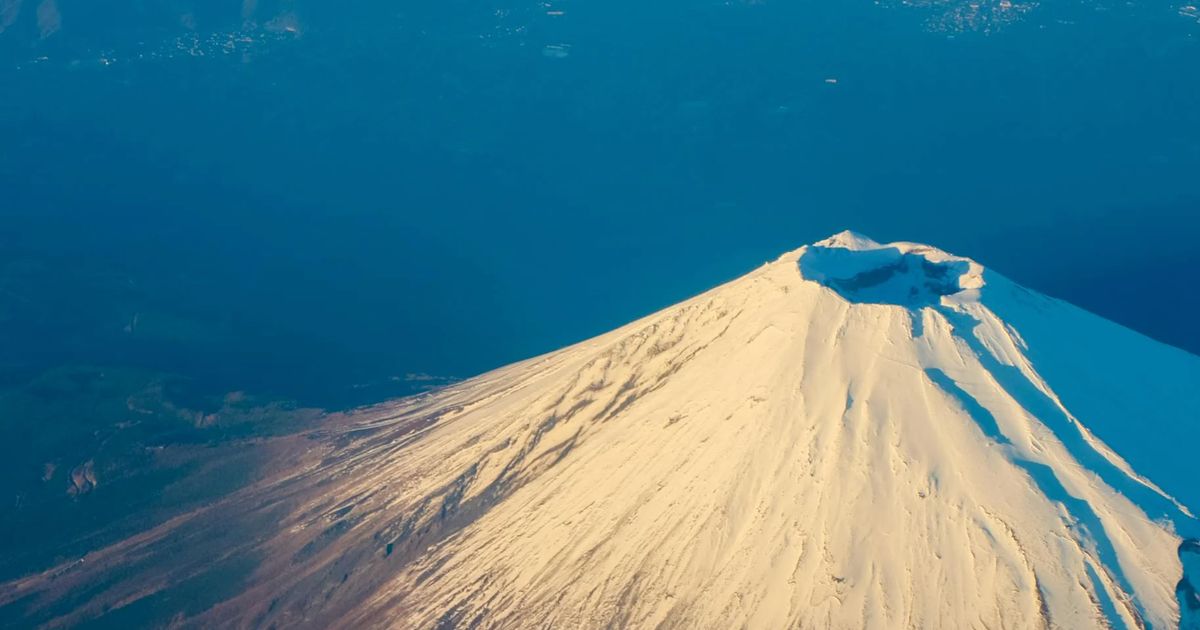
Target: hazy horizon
(296,199)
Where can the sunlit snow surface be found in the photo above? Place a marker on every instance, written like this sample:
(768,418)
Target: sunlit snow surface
(855,435)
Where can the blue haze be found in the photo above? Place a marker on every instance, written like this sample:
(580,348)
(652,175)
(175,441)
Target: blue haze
(445,187)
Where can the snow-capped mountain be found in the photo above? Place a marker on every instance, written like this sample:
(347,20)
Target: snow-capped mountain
(855,435)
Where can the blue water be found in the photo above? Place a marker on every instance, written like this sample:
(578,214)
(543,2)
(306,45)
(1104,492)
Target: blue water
(332,196)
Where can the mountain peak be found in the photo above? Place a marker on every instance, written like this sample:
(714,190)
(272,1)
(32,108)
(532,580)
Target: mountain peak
(904,274)
(848,239)
(776,452)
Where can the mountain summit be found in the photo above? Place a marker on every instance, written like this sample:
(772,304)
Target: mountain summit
(856,435)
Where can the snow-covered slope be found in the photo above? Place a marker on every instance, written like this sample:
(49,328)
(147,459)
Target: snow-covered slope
(853,436)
